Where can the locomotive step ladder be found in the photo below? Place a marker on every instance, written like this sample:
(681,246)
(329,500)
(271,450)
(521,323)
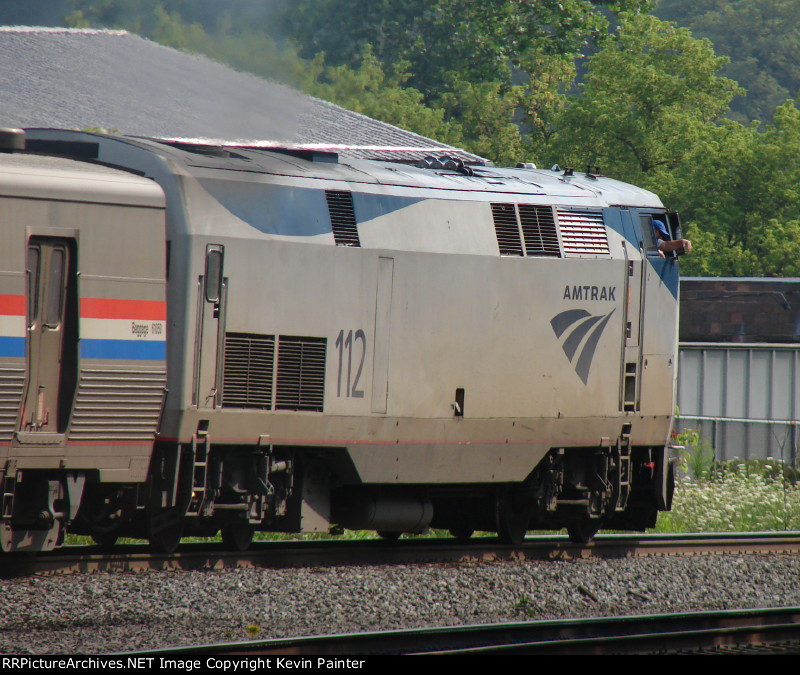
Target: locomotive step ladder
(622,486)
(9,488)
(200,452)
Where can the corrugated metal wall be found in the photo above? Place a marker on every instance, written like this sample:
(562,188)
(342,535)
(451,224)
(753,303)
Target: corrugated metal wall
(739,395)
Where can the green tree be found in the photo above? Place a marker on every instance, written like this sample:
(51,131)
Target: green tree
(542,103)
(485,111)
(369,90)
(32,12)
(137,15)
(761,39)
(231,36)
(649,97)
(738,191)
(480,40)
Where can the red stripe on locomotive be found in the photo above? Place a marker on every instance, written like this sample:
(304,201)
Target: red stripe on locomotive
(109,308)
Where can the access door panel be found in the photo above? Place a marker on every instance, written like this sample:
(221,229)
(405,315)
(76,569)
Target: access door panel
(52,334)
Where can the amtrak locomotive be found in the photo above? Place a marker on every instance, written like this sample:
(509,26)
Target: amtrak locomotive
(197,338)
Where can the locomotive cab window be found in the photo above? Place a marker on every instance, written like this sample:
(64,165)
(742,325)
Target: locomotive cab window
(650,239)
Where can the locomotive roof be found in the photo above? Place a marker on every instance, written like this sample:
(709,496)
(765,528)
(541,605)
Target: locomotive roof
(235,164)
(245,163)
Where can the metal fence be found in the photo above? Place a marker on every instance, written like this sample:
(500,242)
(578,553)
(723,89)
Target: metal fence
(743,398)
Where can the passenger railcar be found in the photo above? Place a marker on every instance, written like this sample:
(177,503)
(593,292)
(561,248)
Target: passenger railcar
(368,344)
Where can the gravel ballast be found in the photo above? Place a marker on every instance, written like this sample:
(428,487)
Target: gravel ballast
(127,611)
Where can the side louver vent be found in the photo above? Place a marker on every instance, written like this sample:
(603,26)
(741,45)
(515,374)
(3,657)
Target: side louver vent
(535,226)
(301,373)
(507,229)
(12,386)
(248,374)
(117,405)
(583,232)
(343,218)
(539,230)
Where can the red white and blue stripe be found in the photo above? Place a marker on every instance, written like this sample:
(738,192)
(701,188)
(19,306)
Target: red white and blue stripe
(123,329)
(109,328)
(12,326)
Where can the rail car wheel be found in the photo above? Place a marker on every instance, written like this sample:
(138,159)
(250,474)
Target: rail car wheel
(164,530)
(511,520)
(583,531)
(389,536)
(462,533)
(237,536)
(105,539)
(670,484)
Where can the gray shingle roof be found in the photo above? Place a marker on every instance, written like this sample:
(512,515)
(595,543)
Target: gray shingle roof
(67,78)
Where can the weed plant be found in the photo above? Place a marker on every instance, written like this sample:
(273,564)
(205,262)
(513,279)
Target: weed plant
(731,496)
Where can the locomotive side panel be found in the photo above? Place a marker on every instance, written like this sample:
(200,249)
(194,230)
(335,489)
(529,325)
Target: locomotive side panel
(502,302)
(441,312)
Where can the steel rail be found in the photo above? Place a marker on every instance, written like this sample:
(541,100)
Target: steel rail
(74,559)
(772,630)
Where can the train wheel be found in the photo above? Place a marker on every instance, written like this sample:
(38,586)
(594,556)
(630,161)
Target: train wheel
(462,533)
(583,531)
(389,536)
(512,522)
(670,484)
(237,536)
(106,539)
(164,530)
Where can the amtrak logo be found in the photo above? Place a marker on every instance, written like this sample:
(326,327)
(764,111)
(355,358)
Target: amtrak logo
(577,324)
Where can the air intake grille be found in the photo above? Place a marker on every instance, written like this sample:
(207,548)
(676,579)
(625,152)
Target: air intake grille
(12,384)
(583,232)
(301,373)
(343,218)
(117,405)
(539,230)
(248,373)
(507,229)
(535,225)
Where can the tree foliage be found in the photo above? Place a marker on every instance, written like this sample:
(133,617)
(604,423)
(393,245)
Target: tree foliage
(481,40)
(231,35)
(739,191)
(32,12)
(368,89)
(649,96)
(761,39)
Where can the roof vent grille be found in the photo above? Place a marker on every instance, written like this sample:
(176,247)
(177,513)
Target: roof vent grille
(539,230)
(507,229)
(343,218)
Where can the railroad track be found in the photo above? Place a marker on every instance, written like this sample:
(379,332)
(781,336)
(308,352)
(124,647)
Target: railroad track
(759,631)
(74,559)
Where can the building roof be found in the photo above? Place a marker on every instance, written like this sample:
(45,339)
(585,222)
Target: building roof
(115,80)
